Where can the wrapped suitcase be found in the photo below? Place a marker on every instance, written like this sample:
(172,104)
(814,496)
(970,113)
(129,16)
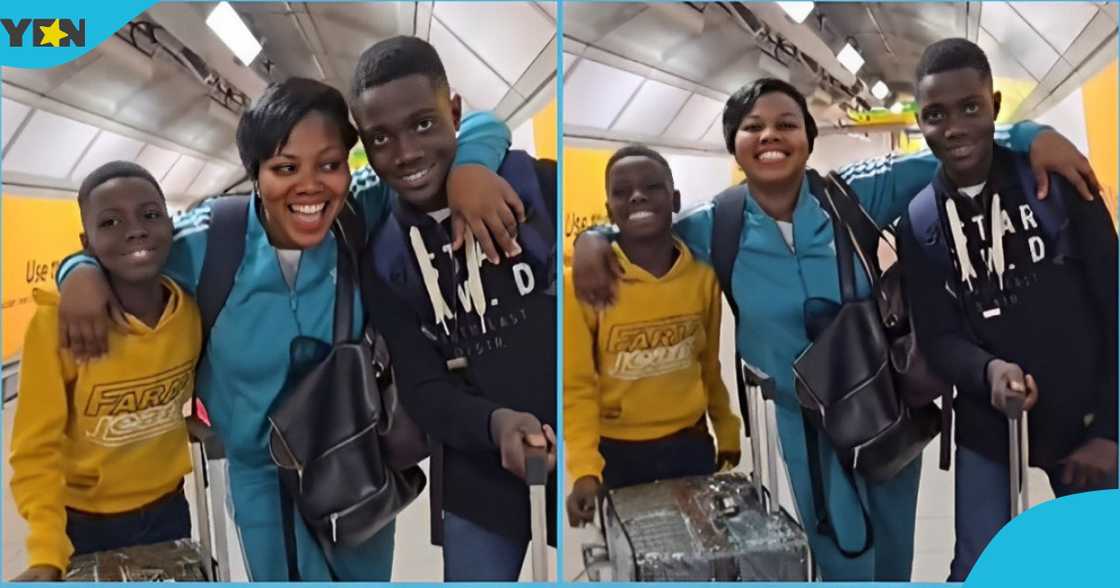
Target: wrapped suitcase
(725,527)
(174,561)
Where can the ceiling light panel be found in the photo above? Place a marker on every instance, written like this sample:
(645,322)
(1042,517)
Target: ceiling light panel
(181,175)
(595,93)
(49,146)
(798,11)
(694,119)
(157,160)
(108,146)
(466,73)
(508,35)
(850,58)
(651,109)
(1058,22)
(1017,38)
(229,27)
(13,113)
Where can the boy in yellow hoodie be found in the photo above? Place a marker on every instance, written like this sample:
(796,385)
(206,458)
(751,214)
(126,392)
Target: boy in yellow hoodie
(99,449)
(640,376)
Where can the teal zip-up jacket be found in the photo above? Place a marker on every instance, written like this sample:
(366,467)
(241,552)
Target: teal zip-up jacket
(770,285)
(245,363)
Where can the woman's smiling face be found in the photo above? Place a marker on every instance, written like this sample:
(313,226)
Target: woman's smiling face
(771,143)
(304,184)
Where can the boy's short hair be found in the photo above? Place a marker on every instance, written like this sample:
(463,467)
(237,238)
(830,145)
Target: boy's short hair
(949,54)
(395,58)
(743,100)
(638,150)
(264,128)
(112,171)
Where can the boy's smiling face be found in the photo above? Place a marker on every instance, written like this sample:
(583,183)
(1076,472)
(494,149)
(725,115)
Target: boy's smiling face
(641,199)
(127,228)
(957,116)
(408,127)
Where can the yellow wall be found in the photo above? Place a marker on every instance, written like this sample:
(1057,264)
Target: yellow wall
(37,234)
(584,192)
(1099,96)
(544,131)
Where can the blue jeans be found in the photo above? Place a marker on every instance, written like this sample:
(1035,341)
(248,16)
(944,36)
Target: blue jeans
(167,519)
(472,553)
(983,505)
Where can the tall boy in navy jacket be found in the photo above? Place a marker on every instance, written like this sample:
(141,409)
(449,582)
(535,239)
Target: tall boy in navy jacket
(473,342)
(1012,315)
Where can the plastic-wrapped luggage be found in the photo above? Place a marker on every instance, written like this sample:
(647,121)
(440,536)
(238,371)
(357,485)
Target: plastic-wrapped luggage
(174,561)
(724,527)
(702,528)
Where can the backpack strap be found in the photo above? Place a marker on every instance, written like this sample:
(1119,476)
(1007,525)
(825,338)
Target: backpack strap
(924,218)
(225,248)
(1051,213)
(727,232)
(852,214)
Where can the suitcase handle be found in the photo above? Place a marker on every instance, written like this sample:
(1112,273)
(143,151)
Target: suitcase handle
(536,475)
(536,466)
(1017,459)
(201,433)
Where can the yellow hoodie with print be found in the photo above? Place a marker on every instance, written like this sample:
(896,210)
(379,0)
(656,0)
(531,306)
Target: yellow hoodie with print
(648,366)
(105,436)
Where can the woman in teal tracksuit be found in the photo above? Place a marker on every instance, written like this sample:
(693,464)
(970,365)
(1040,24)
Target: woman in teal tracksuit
(787,255)
(294,143)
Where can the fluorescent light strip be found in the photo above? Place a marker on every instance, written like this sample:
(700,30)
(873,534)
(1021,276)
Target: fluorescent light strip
(229,27)
(798,11)
(850,58)
(880,90)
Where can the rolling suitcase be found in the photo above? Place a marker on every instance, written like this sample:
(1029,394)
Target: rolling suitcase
(174,561)
(725,527)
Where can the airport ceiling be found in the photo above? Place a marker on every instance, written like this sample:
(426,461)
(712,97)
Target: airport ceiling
(167,91)
(671,67)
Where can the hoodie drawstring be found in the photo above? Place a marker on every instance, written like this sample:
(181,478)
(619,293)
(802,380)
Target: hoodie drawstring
(960,242)
(431,279)
(430,274)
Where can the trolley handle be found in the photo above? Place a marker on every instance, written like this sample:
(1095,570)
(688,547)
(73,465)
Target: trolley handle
(536,466)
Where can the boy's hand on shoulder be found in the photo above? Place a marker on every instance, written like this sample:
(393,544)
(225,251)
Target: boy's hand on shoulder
(486,206)
(595,270)
(86,307)
(40,573)
(581,502)
(512,431)
(1091,464)
(727,460)
(1012,392)
(1052,152)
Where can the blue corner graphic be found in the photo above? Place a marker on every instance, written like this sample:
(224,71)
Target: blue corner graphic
(1066,542)
(47,34)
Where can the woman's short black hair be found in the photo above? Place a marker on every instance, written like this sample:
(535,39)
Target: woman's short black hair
(742,102)
(264,128)
(112,171)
